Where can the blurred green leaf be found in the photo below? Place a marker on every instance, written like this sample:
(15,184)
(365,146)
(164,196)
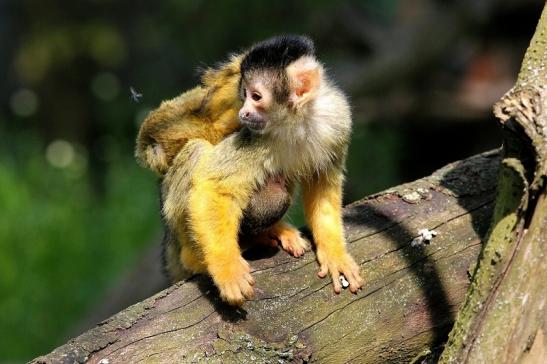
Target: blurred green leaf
(59,246)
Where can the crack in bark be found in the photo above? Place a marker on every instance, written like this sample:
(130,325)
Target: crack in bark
(460,251)
(272,267)
(393,224)
(400,342)
(182,306)
(344,306)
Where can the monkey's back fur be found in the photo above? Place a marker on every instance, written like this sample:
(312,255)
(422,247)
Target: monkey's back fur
(208,111)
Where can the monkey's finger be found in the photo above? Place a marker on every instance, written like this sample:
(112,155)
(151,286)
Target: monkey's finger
(350,277)
(354,285)
(356,271)
(228,294)
(353,279)
(249,278)
(324,271)
(336,281)
(232,295)
(247,291)
(358,277)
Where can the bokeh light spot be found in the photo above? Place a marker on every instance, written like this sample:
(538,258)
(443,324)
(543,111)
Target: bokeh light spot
(60,153)
(24,102)
(107,46)
(105,86)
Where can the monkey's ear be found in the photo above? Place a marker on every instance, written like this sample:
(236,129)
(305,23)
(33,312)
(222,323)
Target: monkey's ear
(304,79)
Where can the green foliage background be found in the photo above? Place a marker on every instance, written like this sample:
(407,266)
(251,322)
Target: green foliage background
(59,247)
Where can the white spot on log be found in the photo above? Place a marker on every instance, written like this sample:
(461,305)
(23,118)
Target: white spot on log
(412,197)
(344,282)
(424,237)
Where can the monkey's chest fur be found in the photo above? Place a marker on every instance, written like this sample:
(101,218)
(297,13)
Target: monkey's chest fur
(279,167)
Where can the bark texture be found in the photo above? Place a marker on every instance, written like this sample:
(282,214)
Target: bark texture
(504,317)
(406,308)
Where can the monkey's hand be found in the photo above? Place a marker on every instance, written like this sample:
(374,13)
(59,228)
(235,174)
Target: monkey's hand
(290,239)
(234,281)
(336,263)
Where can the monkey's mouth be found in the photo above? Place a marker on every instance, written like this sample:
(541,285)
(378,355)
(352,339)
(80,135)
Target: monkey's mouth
(254,125)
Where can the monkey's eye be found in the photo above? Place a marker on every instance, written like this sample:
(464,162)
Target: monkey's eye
(256,96)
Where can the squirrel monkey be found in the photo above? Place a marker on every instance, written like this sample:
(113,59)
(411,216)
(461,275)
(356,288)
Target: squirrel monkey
(210,112)
(296,129)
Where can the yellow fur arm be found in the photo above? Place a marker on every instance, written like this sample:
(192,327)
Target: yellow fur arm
(323,210)
(214,217)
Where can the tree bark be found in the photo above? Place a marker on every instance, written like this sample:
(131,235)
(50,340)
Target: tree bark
(406,308)
(504,316)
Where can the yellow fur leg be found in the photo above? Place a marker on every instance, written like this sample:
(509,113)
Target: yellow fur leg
(191,260)
(323,210)
(214,219)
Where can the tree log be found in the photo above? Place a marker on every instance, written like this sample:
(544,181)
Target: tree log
(504,317)
(406,308)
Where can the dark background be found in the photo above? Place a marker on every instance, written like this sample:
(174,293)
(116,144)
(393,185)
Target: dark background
(80,217)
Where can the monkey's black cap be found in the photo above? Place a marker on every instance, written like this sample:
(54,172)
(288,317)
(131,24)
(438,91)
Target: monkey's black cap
(277,52)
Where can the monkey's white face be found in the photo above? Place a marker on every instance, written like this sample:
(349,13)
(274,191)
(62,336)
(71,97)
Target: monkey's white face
(262,112)
(257,102)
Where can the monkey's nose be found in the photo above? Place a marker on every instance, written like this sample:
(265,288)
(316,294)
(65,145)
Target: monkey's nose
(244,114)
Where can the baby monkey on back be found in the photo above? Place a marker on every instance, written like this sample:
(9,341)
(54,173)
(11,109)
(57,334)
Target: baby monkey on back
(296,128)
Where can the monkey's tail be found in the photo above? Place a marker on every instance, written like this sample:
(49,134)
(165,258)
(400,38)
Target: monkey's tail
(154,157)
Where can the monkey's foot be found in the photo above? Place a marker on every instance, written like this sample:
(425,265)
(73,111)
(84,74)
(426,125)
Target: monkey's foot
(336,264)
(234,281)
(290,239)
